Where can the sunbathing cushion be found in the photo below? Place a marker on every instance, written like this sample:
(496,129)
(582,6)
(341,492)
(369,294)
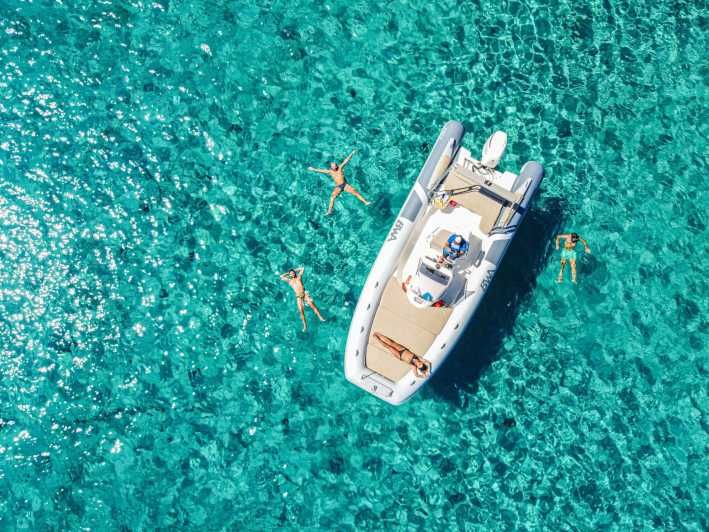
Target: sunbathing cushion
(484,206)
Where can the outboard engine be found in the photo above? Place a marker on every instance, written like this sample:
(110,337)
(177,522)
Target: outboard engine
(494,149)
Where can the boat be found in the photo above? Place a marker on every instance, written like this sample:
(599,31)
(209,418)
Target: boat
(436,264)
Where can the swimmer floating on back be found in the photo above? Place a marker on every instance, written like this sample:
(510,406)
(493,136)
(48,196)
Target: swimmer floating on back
(569,253)
(338,176)
(295,279)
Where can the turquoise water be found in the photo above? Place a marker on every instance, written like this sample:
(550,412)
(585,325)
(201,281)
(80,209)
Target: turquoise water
(152,183)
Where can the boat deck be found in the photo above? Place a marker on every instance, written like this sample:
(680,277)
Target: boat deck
(396,318)
(489,202)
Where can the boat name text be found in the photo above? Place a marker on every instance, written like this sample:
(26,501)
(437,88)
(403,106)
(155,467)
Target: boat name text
(488,278)
(398,226)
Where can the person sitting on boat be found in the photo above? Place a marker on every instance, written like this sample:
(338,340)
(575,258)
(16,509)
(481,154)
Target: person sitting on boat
(294,277)
(569,253)
(456,247)
(336,172)
(421,367)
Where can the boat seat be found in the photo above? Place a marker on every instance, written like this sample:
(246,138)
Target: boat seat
(393,325)
(384,363)
(490,188)
(440,239)
(476,202)
(488,201)
(415,328)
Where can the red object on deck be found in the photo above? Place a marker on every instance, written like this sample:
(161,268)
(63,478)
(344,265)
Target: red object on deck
(453,203)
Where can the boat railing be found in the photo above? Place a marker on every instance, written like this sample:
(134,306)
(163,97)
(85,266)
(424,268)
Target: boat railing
(502,229)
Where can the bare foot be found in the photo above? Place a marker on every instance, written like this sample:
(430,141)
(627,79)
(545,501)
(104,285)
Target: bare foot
(559,279)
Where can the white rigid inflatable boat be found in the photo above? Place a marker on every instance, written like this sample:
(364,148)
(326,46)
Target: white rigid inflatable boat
(414,297)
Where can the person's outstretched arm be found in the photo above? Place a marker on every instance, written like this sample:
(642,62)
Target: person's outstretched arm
(347,159)
(562,235)
(319,170)
(585,245)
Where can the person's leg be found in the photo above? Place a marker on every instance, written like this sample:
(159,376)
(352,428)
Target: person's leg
(386,341)
(389,347)
(301,310)
(390,344)
(573,270)
(351,190)
(561,271)
(396,346)
(336,192)
(311,304)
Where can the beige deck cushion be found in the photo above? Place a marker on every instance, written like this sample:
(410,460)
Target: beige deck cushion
(440,239)
(398,328)
(506,195)
(412,327)
(430,319)
(486,207)
(383,362)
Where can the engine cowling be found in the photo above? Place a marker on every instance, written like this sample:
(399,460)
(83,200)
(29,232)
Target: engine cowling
(494,149)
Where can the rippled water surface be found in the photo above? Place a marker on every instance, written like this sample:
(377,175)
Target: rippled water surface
(153,183)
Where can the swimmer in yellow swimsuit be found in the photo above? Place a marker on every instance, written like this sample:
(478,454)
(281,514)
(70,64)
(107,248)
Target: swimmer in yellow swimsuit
(569,253)
(295,279)
(336,172)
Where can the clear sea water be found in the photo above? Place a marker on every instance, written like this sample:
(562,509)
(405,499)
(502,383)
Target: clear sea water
(152,184)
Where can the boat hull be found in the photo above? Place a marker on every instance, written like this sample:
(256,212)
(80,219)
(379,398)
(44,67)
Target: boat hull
(403,230)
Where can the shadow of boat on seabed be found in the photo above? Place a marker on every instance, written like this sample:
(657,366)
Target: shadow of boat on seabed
(527,256)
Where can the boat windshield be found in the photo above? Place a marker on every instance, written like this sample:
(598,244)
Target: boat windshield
(433,274)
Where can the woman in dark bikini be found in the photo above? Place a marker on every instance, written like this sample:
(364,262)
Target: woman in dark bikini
(422,367)
(341,185)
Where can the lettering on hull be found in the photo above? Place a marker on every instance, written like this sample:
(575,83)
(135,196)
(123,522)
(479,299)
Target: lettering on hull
(394,234)
(488,279)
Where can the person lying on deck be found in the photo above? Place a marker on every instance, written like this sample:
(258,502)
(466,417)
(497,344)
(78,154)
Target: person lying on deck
(422,367)
(295,279)
(336,172)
